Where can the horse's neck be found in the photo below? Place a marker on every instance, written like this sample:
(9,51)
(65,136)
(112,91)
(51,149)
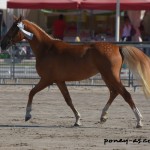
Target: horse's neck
(41,41)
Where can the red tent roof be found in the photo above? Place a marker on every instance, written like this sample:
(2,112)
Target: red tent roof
(111,4)
(43,4)
(82,4)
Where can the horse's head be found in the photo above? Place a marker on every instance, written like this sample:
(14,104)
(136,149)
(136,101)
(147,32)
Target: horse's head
(13,36)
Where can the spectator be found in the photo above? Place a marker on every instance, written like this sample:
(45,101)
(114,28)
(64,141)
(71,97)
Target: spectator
(1,19)
(59,27)
(126,30)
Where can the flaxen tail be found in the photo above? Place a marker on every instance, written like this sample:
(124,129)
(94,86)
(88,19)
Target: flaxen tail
(139,63)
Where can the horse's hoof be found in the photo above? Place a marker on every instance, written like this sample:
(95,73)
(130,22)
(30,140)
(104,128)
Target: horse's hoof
(77,124)
(27,117)
(103,120)
(139,126)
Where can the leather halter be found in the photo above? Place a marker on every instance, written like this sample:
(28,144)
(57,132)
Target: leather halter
(27,34)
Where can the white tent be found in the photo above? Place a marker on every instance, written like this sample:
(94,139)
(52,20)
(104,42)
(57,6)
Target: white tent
(3,4)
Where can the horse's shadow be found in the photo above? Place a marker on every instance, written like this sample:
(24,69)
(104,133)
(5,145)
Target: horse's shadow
(43,126)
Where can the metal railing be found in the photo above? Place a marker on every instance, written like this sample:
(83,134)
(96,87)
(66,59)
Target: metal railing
(21,71)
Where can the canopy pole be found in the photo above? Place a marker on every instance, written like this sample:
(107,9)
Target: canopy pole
(79,22)
(117,21)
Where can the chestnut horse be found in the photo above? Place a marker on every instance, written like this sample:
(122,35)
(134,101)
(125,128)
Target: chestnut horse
(57,62)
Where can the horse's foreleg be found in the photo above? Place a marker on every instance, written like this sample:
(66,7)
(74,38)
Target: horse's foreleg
(40,86)
(104,115)
(63,88)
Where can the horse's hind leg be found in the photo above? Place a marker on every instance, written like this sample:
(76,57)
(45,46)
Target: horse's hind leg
(127,97)
(40,86)
(63,88)
(115,86)
(104,115)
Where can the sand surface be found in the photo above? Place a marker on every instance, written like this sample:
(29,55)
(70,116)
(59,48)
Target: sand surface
(51,126)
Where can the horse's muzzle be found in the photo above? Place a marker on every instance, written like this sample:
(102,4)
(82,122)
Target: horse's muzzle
(5,44)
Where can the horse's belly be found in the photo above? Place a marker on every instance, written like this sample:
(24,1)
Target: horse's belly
(67,69)
(77,73)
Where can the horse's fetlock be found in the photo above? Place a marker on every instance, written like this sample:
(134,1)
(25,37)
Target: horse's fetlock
(29,109)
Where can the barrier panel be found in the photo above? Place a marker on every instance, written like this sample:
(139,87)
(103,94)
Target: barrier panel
(20,69)
(24,72)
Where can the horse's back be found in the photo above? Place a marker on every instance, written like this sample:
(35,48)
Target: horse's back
(98,53)
(71,49)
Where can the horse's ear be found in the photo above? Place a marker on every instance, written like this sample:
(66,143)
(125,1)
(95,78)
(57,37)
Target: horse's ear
(20,18)
(17,19)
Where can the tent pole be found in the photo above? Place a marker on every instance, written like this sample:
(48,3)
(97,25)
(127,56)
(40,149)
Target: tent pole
(117,20)
(79,12)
